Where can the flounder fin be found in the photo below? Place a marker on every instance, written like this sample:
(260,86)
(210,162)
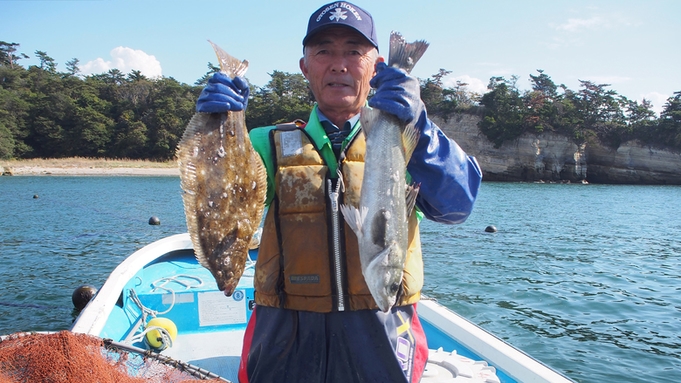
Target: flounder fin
(405,55)
(260,187)
(229,65)
(188,179)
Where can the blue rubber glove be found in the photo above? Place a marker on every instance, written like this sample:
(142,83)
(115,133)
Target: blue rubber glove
(397,93)
(223,94)
(449,178)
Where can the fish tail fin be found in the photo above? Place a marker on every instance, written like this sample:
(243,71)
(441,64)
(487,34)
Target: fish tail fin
(354,217)
(231,66)
(403,54)
(410,138)
(368,118)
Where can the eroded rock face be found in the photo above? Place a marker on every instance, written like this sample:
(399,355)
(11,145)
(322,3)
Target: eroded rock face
(633,163)
(553,157)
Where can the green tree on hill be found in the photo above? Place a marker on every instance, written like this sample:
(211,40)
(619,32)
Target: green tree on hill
(48,113)
(285,98)
(593,112)
(504,113)
(669,127)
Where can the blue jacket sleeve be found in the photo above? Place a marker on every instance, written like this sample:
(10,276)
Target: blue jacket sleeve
(449,178)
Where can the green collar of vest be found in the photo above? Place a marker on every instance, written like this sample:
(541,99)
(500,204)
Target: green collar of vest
(321,141)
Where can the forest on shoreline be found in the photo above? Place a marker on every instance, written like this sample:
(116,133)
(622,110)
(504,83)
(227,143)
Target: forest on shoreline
(47,113)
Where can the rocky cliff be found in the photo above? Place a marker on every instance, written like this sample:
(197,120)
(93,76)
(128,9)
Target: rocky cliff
(552,157)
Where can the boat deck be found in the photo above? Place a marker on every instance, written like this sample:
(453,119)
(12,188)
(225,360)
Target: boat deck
(217,352)
(210,326)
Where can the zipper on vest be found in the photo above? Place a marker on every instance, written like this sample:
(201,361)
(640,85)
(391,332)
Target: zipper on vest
(335,229)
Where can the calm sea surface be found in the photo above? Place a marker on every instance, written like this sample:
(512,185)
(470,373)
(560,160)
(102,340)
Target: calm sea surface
(585,278)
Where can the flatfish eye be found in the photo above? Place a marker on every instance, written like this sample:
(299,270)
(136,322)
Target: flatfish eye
(394,288)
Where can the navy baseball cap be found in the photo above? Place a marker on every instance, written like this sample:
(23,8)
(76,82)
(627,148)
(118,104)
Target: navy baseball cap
(342,13)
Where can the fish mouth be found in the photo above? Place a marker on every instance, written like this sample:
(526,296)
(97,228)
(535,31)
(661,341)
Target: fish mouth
(385,304)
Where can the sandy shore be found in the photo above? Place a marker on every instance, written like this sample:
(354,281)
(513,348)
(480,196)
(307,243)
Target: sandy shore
(87,167)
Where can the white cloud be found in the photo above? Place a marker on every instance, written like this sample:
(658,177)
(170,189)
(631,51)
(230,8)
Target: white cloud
(575,25)
(612,80)
(576,31)
(657,99)
(474,84)
(125,59)
(594,22)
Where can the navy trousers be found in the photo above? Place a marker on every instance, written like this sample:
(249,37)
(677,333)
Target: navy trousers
(351,346)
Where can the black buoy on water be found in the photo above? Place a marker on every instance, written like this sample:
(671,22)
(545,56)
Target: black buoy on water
(490,229)
(82,295)
(154,220)
(35,196)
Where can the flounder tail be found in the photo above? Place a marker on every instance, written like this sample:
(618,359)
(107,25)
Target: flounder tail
(229,65)
(232,67)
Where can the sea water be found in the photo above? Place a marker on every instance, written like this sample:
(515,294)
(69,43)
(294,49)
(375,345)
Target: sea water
(585,278)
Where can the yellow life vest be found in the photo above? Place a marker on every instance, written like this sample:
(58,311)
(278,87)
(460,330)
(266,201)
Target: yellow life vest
(303,262)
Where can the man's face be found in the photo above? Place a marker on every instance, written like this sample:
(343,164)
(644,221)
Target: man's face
(338,63)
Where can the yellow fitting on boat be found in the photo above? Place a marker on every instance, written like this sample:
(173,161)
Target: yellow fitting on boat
(155,337)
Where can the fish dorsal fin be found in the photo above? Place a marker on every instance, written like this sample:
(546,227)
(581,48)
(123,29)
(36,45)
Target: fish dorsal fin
(410,138)
(412,193)
(229,65)
(403,54)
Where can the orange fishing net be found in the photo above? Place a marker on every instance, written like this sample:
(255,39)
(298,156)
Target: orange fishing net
(68,357)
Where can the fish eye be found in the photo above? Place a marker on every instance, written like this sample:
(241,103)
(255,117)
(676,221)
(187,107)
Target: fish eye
(394,287)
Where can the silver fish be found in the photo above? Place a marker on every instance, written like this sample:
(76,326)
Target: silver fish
(224,185)
(381,222)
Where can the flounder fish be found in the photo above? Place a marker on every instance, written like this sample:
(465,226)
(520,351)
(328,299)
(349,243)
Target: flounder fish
(224,184)
(381,222)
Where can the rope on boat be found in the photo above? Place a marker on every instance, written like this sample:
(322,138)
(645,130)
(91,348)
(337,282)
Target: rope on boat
(162,284)
(165,338)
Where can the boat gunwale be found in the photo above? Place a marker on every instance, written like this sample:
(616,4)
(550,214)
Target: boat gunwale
(93,317)
(514,362)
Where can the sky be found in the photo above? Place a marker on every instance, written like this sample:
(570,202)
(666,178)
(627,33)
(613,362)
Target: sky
(632,45)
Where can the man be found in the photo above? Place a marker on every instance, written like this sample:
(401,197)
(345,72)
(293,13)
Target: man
(315,320)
